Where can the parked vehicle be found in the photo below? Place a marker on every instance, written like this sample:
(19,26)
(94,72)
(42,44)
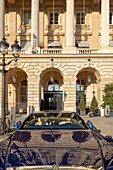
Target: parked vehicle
(55,140)
(94,112)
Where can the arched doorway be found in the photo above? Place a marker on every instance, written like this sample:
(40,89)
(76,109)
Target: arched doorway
(17,90)
(88,87)
(51,91)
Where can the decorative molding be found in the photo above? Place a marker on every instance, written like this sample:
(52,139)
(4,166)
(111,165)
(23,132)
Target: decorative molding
(12,1)
(54,27)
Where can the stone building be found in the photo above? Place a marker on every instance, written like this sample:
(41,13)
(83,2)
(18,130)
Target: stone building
(67,52)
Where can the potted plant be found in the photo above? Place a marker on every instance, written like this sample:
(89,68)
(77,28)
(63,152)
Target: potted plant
(82,106)
(94,103)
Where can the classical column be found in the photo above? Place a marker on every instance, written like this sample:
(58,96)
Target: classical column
(104,23)
(70,23)
(2,18)
(35,23)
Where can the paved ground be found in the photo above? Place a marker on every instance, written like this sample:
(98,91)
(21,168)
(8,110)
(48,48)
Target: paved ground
(105,124)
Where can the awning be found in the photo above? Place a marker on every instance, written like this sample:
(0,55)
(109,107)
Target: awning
(82,44)
(54,44)
(25,44)
(111,43)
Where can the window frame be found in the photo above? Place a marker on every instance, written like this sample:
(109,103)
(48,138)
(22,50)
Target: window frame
(56,11)
(82,18)
(26,16)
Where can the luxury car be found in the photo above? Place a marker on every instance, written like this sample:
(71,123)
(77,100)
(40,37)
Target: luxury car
(55,140)
(94,112)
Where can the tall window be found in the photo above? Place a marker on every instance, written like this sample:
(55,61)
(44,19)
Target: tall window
(24,91)
(111,18)
(80,18)
(27,17)
(53,18)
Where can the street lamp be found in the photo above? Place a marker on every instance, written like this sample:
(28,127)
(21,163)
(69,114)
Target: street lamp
(16,49)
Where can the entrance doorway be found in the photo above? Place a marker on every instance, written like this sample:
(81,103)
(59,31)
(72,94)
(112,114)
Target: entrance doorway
(53,100)
(51,89)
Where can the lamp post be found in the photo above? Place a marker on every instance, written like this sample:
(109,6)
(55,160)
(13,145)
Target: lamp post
(15,52)
(89,73)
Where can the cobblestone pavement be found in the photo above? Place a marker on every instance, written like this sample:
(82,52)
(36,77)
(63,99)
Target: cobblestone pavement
(105,124)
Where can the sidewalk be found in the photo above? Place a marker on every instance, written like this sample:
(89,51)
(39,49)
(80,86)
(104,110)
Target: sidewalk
(105,124)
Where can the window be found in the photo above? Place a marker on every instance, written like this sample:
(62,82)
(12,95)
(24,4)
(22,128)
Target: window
(111,18)
(24,91)
(54,18)
(80,18)
(80,85)
(53,86)
(27,17)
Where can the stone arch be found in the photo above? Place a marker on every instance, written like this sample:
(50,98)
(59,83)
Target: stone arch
(89,88)
(45,79)
(17,89)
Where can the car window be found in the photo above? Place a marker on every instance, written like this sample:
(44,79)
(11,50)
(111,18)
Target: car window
(58,121)
(47,123)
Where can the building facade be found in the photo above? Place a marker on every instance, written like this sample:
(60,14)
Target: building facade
(67,52)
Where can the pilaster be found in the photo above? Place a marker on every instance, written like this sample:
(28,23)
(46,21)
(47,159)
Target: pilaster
(70,92)
(33,93)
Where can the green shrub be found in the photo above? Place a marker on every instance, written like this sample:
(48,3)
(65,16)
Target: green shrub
(108,96)
(94,103)
(82,104)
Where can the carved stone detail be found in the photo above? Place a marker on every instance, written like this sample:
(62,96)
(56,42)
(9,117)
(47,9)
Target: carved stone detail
(11,1)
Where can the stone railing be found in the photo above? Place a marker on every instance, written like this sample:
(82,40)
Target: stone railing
(86,51)
(59,51)
(22,51)
(51,51)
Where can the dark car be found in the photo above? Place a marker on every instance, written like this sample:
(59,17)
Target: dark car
(94,112)
(54,141)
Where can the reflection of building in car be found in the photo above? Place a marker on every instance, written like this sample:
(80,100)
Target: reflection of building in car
(91,159)
(51,138)
(72,157)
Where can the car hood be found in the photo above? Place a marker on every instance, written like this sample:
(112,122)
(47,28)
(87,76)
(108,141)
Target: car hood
(51,147)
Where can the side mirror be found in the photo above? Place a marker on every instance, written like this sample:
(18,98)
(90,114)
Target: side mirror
(90,124)
(17,125)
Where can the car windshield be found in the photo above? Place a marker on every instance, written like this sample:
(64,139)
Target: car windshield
(56,120)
